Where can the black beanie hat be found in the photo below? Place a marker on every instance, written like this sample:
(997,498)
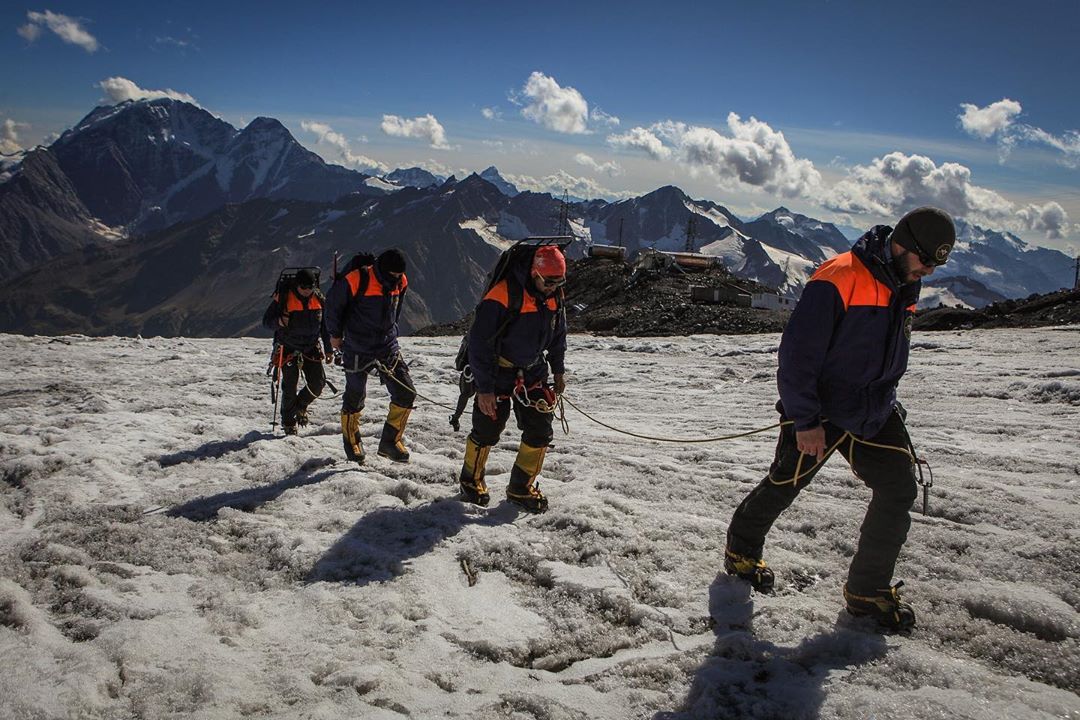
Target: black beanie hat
(305,278)
(928,232)
(391,260)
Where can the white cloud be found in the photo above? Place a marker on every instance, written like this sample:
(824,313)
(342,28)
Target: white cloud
(997,118)
(611,168)
(599,116)
(425,127)
(556,108)
(67,29)
(1067,144)
(895,183)
(641,139)
(753,155)
(561,181)
(491,113)
(326,135)
(9,136)
(29,32)
(990,120)
(1049,218)
(119,89)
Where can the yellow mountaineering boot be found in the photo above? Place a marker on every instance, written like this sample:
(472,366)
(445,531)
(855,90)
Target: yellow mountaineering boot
(390,445)
(753,570)
(884,606)
(523,489)
(350,435)
(473,487)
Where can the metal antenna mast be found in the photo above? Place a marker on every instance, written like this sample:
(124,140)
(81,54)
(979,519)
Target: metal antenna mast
(691,232)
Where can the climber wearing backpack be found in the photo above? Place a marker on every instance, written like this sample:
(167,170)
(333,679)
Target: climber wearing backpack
(362,311)
(296,316)
(518,333)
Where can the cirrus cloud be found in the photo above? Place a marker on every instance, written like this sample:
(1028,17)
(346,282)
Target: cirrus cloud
(66,28)
(119,89)
(425,127)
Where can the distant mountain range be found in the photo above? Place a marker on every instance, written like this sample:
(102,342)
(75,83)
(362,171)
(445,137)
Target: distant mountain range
(142,166)
(188,221)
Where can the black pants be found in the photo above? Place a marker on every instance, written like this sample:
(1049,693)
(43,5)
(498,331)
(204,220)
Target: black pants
(310,364)
(398,382)
(888,473)
(535,426)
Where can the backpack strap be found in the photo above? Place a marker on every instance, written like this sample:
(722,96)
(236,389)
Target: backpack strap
(515,297)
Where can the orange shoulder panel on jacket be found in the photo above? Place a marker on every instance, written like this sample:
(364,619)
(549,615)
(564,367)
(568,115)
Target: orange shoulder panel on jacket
(404,282)
(314,303)
(353,279)
(500,294)
(293,303)
(854,281)
(374,287)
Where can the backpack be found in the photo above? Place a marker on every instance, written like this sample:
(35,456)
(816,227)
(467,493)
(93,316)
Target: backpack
(287,280)
(359,260)
(520,252)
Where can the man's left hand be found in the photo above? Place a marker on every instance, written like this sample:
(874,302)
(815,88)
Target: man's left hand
(560,384)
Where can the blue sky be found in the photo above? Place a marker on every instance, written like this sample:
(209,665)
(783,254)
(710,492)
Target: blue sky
(848,111)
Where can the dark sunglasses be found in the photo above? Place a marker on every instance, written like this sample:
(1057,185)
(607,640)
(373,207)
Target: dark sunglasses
(552,282)
(924,259)
(306,287)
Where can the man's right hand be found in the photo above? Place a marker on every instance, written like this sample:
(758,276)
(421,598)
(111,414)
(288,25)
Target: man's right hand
(811,442)
(335,343)
(487,404)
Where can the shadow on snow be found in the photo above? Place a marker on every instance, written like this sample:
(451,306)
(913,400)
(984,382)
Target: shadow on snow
(744,677)
(247,500)
(379,546)
(214,450)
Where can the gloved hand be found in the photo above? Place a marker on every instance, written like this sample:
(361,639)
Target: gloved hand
(559,386)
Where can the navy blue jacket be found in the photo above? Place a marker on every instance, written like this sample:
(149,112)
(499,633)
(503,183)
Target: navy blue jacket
(305,327)
(846,345)
(533,341)
(366,316)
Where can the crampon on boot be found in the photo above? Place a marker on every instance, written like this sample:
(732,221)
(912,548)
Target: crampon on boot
(475,492)
(530,499)
(302,419)
(884,606)
(289,429)
(753,570)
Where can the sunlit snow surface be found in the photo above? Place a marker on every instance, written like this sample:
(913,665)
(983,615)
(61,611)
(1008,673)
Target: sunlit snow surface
(163,556)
